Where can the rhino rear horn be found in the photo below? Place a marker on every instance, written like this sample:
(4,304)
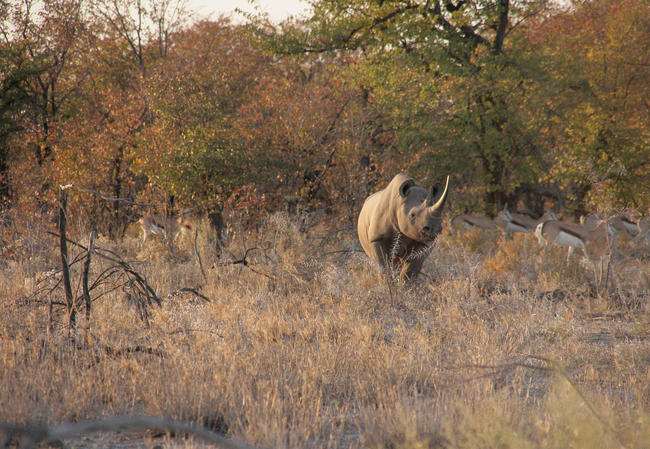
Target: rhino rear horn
(441,201)
(431,195)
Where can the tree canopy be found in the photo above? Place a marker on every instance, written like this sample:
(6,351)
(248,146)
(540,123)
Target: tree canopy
(525,102)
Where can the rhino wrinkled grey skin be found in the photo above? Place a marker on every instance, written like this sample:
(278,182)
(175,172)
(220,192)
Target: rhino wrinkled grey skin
(397,224)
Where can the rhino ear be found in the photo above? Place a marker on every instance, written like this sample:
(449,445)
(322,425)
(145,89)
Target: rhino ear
(404,188)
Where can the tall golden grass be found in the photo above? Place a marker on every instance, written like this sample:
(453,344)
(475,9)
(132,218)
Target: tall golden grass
(497,344)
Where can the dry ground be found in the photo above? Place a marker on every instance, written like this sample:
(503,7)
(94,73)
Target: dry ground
(498,344)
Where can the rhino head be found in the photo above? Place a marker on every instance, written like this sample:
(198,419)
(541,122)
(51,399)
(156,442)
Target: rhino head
(419,214)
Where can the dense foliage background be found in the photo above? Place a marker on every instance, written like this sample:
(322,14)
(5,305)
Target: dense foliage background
(526,102)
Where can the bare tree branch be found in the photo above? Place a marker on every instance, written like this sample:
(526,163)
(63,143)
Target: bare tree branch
(105,197)
(143,294)
(86,291)
(504,7)
(63,244)
(244,261)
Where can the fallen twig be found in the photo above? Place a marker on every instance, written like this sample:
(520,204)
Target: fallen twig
(342,251)
(242,261)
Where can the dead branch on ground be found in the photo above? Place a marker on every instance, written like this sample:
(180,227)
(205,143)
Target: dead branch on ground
(188,290)
(244,261)
(35,434)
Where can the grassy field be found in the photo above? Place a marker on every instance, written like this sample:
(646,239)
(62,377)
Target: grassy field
(497,345)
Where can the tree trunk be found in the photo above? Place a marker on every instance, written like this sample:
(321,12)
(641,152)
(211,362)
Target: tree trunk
(116,181)
(63,241)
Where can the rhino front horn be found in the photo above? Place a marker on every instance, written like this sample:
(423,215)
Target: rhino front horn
(441,200)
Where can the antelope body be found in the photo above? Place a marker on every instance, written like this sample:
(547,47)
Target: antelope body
(621,224)
(643,228)
(477,221)
(570,234)
(514,222)
(165,227)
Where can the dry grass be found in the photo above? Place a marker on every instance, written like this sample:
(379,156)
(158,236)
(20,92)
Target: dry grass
(498,344)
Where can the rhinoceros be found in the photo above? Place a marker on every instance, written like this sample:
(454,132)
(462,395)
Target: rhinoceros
(397,224)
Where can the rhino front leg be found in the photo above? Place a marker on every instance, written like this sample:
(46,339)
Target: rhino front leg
(410,270)
(382,255)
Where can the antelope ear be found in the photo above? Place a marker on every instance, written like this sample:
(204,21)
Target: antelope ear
(404,188)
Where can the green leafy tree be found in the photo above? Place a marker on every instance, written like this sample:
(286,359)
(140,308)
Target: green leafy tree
(453,80)
(599,114)
(15,97)
(231,125)
(125,45)
(40,45)
(189,147)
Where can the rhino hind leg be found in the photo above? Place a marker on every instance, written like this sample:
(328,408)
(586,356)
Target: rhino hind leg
(379,255)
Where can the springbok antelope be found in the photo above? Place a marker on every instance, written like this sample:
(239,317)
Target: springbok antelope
(513,222)
(619,224)
(643,227)
(571,235)
(477,221)
(169,228)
